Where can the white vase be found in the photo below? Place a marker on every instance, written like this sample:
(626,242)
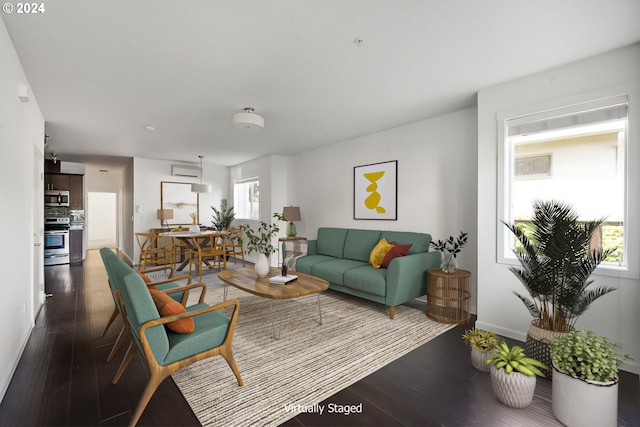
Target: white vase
(262,265)
(479,359)
(576,402)
(515,389)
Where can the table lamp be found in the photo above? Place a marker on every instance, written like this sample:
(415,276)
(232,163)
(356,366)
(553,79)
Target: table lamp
(163,215)
(291,213)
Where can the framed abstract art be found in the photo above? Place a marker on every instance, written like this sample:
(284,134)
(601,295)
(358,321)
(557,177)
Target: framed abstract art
(375,191)
(178,196)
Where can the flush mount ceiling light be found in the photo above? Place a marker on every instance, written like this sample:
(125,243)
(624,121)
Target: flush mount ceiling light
(248,121)
(200,188)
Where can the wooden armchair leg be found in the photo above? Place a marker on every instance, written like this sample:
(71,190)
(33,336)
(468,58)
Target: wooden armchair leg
(124,334)
(152,385)
(228,356)
(131,351)
(114,315)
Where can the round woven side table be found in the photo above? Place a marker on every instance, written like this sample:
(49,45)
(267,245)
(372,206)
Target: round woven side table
(449,296)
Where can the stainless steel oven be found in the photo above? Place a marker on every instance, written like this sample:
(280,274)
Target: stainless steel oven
(56,241)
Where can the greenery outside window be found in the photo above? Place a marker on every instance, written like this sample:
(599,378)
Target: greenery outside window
(575,154)
(246,198)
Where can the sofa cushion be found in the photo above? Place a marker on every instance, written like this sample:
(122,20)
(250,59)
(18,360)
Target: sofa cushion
(419,241)
(359,243)
(305,264)
(367,279)
(330,241)
(379,252)
(333,271)
(166,307)
(398,250)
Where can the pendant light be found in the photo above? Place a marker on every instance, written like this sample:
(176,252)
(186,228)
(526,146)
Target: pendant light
(200,188)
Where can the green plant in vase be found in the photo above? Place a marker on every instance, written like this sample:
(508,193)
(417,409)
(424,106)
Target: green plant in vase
(260,241)
(449,250)
(483,344)
(585,379)
(513,375)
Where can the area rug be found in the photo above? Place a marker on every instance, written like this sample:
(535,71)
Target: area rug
(307,364)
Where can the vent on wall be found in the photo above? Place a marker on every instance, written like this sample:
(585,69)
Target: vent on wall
(188,171)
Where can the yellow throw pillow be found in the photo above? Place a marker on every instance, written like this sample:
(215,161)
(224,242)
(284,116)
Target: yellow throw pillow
(378,253)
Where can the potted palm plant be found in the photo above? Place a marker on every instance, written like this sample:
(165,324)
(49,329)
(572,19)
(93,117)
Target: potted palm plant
(482,344)
(260,241)
(513,375)
(223,217)
(585,384)
(556,260)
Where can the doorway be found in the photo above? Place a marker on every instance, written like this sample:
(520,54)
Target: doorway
(101,215)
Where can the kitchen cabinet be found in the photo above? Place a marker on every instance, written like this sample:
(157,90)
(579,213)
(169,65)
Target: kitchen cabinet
(75,246)
(56,181)
(76,193)
(69,182)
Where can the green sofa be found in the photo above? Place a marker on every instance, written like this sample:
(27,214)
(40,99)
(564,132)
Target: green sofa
(341,256)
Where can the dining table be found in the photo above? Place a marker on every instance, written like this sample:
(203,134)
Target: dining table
(187,237)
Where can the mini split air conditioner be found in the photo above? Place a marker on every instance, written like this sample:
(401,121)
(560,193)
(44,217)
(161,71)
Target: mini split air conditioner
(188,171)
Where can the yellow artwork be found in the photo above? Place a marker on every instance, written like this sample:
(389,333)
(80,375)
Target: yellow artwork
(373,200)
(375,191)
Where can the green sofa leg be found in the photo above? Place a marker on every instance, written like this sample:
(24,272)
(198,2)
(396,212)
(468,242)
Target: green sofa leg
(392,312)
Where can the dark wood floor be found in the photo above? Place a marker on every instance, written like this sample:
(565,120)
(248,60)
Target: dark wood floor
(63,380)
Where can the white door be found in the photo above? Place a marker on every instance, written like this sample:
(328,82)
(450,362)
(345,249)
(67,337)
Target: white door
(101,217)
(37,296)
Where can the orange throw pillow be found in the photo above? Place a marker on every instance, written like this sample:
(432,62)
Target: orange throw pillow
(146,279)
(167,306)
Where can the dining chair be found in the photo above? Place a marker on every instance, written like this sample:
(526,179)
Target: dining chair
(179,249)
(233,246)
(152,257)
(210,252)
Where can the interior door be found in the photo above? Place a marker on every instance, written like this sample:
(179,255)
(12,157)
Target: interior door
(37,296)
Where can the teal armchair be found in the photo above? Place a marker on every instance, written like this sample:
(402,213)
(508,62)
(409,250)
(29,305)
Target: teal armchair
(167,352)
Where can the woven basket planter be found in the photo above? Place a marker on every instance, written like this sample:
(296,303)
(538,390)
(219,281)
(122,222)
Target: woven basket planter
(515,389)
(479,359)
(538,346)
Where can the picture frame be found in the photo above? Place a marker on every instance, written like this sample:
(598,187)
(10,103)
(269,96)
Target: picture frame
(178,196)
(375,191)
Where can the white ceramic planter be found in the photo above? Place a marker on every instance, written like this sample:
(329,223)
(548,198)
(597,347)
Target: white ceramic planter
(479,359)
(515,389)
(262,265)
(583,403)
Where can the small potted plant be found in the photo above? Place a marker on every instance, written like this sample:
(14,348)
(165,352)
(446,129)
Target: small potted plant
(449,249)
(483,344)
(260,241)
(223,217)
(513,375)
(585,379)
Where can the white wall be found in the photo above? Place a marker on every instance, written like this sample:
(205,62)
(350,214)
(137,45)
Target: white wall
(22,140)
(147,175)
(614,315)
(436,181)
(273,172)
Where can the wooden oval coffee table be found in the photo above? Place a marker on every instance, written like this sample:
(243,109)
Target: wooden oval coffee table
(246,279)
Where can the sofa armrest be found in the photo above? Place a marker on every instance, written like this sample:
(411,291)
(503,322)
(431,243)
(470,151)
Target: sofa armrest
(406,276)
(312,247)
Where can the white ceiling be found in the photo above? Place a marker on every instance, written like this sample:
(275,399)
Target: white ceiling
(103,70)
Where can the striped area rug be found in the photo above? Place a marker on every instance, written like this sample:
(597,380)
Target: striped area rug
(307,364)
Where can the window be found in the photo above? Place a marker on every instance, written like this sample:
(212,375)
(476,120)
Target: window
(575,154)
(246,198)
